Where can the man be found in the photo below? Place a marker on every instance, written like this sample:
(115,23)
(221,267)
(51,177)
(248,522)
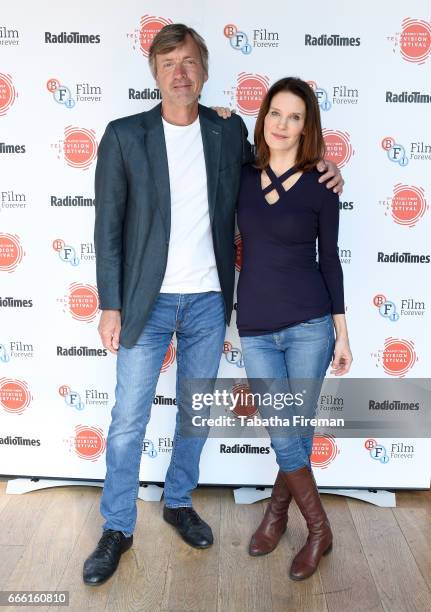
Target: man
(166,188)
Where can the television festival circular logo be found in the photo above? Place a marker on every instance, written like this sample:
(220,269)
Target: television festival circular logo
(79,147)
(7,93)
(324,452)
(83,302)
(415,40)
(169,357)
(399,356)
(11,252)
(238,252)
(250,91)
(89,442)
(338,147)
(14,395)
(244,406)
(408,204)
(150,26)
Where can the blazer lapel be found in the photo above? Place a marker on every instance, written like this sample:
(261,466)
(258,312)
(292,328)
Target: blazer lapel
(211,139)
(158,161)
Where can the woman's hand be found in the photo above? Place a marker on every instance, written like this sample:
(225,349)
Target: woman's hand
(342,357)
(223,111)
(332,172)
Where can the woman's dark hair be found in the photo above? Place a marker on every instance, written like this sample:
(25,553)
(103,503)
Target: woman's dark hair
(311,145)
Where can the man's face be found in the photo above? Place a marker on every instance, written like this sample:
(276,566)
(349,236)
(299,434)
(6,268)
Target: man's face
(180,75)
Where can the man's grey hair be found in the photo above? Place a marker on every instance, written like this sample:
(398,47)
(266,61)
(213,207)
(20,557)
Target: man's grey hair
(170,37)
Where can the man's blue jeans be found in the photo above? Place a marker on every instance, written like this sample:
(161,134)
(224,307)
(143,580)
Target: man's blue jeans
(299,355)
(198,319)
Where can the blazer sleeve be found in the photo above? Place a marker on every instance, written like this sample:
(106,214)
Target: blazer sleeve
(110,205)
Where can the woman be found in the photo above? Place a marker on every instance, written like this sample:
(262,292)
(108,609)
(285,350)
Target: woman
(288,303)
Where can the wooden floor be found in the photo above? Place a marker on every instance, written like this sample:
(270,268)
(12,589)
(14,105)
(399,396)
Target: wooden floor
(381,558)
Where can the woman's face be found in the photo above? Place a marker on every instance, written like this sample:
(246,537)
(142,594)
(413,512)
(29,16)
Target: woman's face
(284,122)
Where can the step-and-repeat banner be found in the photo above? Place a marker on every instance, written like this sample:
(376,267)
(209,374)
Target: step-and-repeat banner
(66,69)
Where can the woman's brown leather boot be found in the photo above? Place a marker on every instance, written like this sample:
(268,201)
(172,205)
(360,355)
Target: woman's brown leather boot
(268,534)
(303,488)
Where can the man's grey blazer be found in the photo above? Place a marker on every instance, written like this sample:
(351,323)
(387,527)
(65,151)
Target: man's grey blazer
(133,210)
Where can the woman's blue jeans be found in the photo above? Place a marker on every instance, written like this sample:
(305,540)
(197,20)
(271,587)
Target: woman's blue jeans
(298,354)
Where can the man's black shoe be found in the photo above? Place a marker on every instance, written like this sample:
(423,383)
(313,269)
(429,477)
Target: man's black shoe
(190,526)
(103,561)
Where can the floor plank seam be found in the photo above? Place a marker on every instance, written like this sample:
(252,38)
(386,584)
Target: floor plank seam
(412,552)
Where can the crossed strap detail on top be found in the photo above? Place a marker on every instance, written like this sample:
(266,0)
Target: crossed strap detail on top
(277,181)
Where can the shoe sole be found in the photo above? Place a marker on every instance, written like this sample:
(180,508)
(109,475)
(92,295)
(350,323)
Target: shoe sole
(184,539)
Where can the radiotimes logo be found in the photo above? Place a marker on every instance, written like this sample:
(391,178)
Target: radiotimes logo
(338,147)
(148,94)
(417,150)
(169,357)
(8,37)
(15,349)
(87,443)
(15,395)
(397,357)
(331,40)
(325,451)
(72,38)
(238,252)
(12,302)
(233,355)
(19,441)
(80,351)
(239,41)
(82,302)
(143,36)
(149,449)
(163,400)
(68,254)
(346,205)
(401,258)
(9,200)
(78,401)
(248,93)
(79,147)
(11,252)
(397,450)
(389,310)
(8,93)
(243,449)
(407,205)
(11,149)
(406,97)
(83,92)
(75,201)
(414,40)
(337,94)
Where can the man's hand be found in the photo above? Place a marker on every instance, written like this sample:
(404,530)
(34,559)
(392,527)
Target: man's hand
(332,172)
(223,111)
(109,329)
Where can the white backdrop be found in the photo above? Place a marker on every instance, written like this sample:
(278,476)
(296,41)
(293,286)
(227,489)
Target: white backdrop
(57,93)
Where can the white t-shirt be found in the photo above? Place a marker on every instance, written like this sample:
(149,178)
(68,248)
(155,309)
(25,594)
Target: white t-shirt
(191,264)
